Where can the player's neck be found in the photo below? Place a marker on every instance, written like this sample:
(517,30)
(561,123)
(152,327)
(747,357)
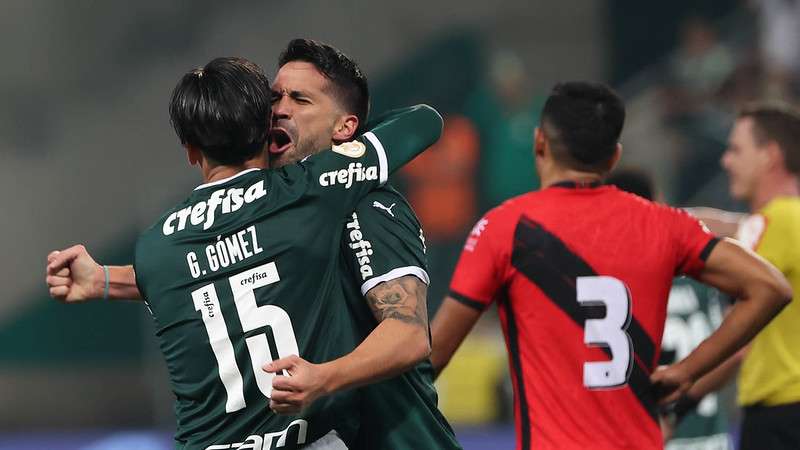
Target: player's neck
(213,173)
(777,186)
(576,176)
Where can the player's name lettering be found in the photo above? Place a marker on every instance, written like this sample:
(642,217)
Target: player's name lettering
(269,440)
(355,172)
(203,212)
(362,248)
(226,251)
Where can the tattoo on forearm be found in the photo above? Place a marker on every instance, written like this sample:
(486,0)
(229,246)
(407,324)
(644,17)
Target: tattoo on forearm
(402,299)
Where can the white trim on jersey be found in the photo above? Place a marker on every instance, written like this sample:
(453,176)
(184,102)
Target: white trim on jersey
(225,180)
(330,441)
(418,272)
(383,165)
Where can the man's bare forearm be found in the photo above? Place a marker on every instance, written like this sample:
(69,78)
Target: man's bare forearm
(717,378)
(122,284)
(399,342)
(450,326)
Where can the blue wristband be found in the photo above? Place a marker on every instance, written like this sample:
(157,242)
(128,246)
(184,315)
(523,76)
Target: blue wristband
(105,289)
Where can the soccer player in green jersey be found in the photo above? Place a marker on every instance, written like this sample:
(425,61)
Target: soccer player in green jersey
(382,250)
(241,273)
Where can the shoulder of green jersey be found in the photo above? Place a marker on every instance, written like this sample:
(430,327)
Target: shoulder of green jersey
(394,274)
(383,164)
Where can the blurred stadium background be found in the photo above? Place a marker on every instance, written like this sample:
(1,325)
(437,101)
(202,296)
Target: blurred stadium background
(87,155)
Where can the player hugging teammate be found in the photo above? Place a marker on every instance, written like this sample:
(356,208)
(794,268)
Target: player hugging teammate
(262,350)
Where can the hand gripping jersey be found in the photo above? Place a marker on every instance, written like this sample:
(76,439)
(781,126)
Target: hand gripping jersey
(246,270)
(581,276)
(383,241)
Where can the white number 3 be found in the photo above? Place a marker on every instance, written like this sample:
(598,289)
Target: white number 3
(610,331)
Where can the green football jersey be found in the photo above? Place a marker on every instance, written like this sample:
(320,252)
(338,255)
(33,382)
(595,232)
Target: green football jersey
(383,241)
(246,271)
(694,311)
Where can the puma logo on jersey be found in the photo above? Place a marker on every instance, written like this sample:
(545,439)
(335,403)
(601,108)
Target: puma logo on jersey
(362,248)
(355,172)
(380,205)
(204,212)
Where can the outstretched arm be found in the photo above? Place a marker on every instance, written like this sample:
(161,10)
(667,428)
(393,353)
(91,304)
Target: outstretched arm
(720,222)
(73,276)
(398,343)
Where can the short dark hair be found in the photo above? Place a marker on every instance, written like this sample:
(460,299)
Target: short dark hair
(635,181)
(583,122)
(223,109)
(780,123)
(349,83)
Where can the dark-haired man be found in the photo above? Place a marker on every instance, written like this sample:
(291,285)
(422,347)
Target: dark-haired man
(316,88)
(320,97)
(240,276)
(581,274)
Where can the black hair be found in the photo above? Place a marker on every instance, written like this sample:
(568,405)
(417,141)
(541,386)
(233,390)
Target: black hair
(635,181)
(583,122)
(223,109)
(780,123)
(348,82)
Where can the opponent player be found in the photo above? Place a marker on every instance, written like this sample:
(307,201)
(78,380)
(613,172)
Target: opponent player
(315,87)
(234,249)
(694,310)
(581,274)
(763,164)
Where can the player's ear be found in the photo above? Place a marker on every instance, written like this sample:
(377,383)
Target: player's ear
(775,158)
(615,157)
(193,154)
(345,128)
(539,142)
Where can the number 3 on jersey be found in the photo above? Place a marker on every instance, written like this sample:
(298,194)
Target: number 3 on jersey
(610,331)
(252,316)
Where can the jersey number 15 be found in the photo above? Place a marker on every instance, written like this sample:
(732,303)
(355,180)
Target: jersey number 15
(252,316)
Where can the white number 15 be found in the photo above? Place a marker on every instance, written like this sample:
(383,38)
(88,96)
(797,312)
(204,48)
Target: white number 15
(252,317)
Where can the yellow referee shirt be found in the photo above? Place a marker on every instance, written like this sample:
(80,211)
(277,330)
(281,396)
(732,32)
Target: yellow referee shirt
(770,372)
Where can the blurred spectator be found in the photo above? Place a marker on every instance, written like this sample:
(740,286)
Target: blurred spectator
(506,114)
(700,67)
(697,75)
(441,188)
(441,182)
(779,27)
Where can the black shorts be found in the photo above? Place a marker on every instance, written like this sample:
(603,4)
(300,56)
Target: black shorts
(771,427)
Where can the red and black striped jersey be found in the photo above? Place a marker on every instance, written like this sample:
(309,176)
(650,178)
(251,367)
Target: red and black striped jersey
(581,277)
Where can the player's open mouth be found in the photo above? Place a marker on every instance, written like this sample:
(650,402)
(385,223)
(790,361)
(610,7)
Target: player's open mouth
(279,141)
